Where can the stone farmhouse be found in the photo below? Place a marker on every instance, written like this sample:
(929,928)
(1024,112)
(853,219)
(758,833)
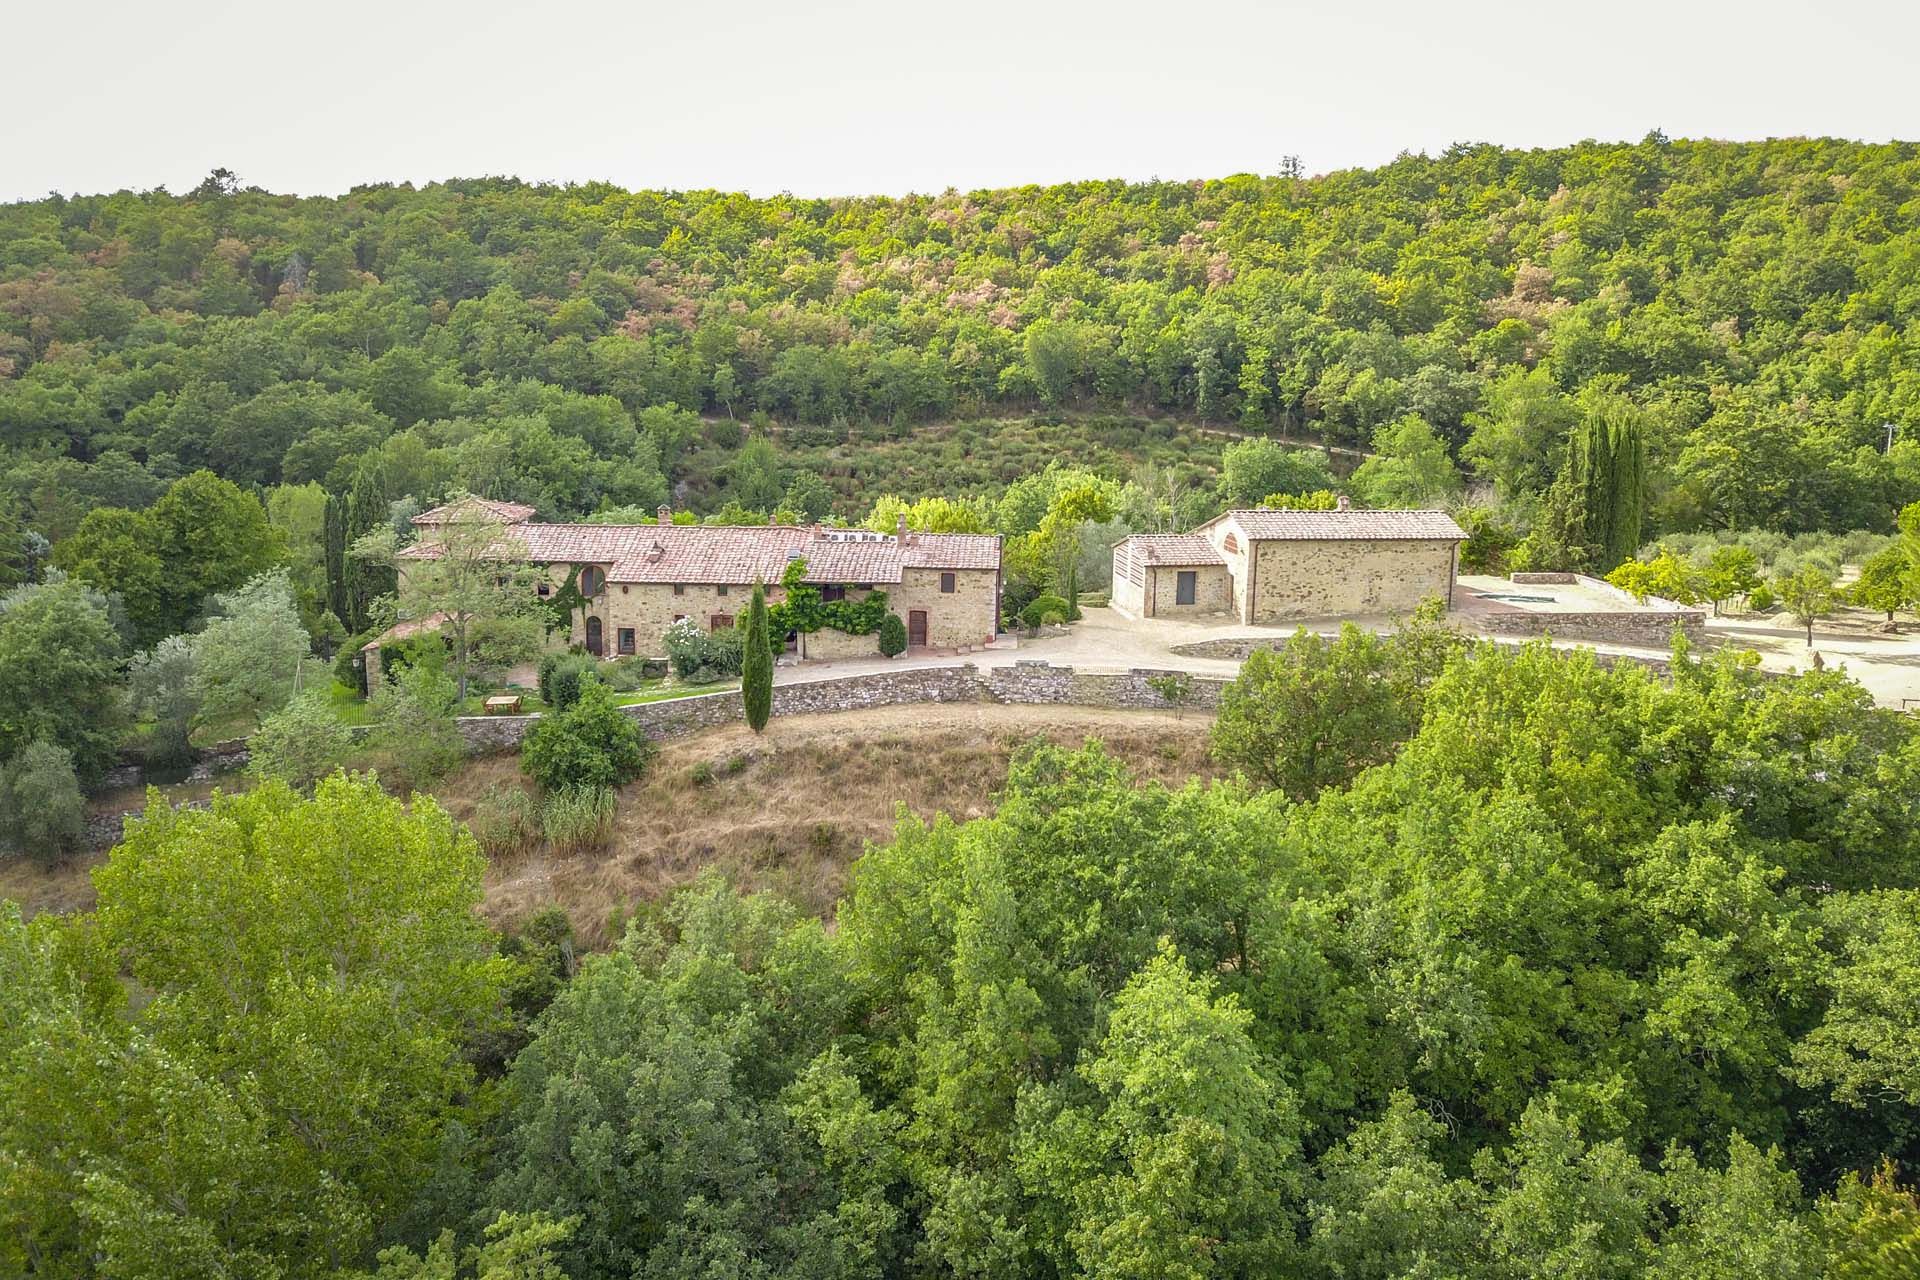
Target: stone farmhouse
(1269,566)
(638,580)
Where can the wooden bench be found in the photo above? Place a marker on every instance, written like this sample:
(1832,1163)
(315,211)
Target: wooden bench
(506,704)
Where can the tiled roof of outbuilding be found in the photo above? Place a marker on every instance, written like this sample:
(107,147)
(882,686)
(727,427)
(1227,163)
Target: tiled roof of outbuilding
(1173,548)
(505,512)
(1264,524)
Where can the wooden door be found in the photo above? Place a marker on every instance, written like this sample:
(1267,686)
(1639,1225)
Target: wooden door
(917,626)
(596,639)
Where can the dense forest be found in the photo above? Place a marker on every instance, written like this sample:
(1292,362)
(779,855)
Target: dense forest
(1491,965)
(1750,307)
(1481,962)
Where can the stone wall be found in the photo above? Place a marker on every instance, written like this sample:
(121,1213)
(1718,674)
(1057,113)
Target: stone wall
(1023,684)
(958,619)
(1646,629)
(1645,623)
(1238,648)
(1300,579)
(1213,591)
(826,644)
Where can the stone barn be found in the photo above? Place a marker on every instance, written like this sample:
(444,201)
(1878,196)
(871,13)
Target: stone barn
(1169,575)
(1263,565)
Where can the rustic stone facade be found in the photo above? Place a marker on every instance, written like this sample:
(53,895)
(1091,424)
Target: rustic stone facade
(1335,579)
(1157,595)
(647,609)
(1261,565)
(961,618)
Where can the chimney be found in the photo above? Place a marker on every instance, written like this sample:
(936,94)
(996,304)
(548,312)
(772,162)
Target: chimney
(900,530)
(1341,504)
(665,514)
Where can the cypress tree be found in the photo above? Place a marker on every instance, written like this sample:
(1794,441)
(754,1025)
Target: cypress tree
(334,552)
(1628,484)
(756,663)
(1606,465)
(368,507)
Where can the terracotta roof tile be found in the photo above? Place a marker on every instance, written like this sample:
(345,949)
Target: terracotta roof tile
(1173,548)
(1263,524)
(506,512)
(738,554)
(953,551)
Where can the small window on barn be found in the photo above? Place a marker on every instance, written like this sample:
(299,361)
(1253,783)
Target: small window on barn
(545,589)
(720,622)
(626,639)
(834,591)
(679,588)
(1231,543)
(720,590)
(946,584)
(592,578)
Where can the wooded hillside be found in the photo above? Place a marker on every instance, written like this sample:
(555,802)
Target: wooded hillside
(1753,305)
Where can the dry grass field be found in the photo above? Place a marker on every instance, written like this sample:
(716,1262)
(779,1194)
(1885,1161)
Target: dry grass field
(787,812)
(790,811)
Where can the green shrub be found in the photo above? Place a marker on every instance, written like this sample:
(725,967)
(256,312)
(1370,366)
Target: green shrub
(591,745)
(42,813)
(415,735)
(346,662)
(1761,598)
(704,657)
(627,674)
(893,636)
(577,820)
(1044,609)
(702,774)
(506,821)
(562,674)
(300,743)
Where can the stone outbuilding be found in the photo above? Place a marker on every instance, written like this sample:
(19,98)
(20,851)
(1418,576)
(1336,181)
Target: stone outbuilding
(1170,575)
(1272,566)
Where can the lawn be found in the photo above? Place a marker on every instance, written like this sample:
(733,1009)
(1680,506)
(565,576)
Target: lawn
(648,691)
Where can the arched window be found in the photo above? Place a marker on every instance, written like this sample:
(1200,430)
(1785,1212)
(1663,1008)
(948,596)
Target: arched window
(592,578)
(1231,543)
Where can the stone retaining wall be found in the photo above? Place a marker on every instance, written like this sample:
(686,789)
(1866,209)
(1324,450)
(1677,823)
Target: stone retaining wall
(1237,649)
(1023,684)
(1648,630)
(1647,623)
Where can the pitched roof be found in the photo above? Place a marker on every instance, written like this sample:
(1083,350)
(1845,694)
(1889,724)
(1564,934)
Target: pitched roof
(464,509)
(1263,525)
(953,551)
(739,554)
(1173,548)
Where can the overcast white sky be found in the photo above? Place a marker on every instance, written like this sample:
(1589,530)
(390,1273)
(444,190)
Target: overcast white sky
(869,96)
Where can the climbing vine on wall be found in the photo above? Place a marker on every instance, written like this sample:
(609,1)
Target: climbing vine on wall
(565,602)
(803,610)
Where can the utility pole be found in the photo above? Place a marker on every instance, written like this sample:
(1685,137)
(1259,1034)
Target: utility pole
(1893,429)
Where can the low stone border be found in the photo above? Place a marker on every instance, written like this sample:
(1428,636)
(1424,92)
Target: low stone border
(1024,683)
(1646,623)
